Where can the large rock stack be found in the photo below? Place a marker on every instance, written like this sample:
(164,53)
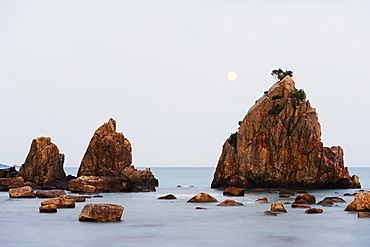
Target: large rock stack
(44,164)
(279,145)
(106,165)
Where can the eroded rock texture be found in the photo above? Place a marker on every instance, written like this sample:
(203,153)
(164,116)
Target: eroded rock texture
(108,153)
(279,145)
(43,162)
(106,165)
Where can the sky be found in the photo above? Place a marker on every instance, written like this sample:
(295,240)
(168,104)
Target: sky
(159,68)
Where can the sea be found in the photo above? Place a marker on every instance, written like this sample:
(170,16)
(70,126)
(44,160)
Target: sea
(147,221)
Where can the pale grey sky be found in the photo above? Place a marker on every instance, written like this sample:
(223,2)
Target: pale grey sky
(159,68)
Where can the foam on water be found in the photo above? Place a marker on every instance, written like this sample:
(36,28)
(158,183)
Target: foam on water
(150,222)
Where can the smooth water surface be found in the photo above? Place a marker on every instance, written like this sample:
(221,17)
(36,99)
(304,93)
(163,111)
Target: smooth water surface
(150,222)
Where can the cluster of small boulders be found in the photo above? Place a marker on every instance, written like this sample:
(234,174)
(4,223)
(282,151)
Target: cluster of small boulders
(302,200)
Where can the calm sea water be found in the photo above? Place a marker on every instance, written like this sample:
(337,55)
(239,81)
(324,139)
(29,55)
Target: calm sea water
(150,222)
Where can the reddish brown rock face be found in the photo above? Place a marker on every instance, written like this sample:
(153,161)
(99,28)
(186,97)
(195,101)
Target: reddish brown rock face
(101,212)
(201,198)
(106,165)
(361,202)
(279,145)
(108,153)
(43,162)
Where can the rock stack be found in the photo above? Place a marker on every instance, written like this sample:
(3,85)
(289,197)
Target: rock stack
(106,165)
(279,145)
(44,165)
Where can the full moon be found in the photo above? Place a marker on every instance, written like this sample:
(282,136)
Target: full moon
(232,76)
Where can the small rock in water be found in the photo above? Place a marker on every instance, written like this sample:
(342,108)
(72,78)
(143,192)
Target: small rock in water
(297,205)
(202,197)
(75,198)
(101,212)
(230,203)
(200,208)
(49,208)
(22,192)
(314,211)
(262,200)
(363,215)
(233,191)
(349,194)
(167,197)
(270,213)
(60,202)
(310,199)
(278,207)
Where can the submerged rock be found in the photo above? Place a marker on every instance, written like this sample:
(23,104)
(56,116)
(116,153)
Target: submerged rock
(50,194)
(233,191)
(270,213)
(73,197)
(329,201)
(262,200)
(202,197)
(299,205)
(22,192)
(314,211)
(363,215)
(361,202)
(101,212)
(167,197)
(107,161)
(43,162)
(230,203)
(279,145)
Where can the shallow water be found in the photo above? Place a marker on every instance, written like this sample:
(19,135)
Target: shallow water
(150,222)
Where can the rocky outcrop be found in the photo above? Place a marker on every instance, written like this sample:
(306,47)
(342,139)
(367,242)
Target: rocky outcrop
(361,202)
(22,192)
(101,212)
(96,184)
(9,178)
(202,197)
(106,165)
(8,183)
(279,145)
(43,162)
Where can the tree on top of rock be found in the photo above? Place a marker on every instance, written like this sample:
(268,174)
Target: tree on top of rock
(279,74)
